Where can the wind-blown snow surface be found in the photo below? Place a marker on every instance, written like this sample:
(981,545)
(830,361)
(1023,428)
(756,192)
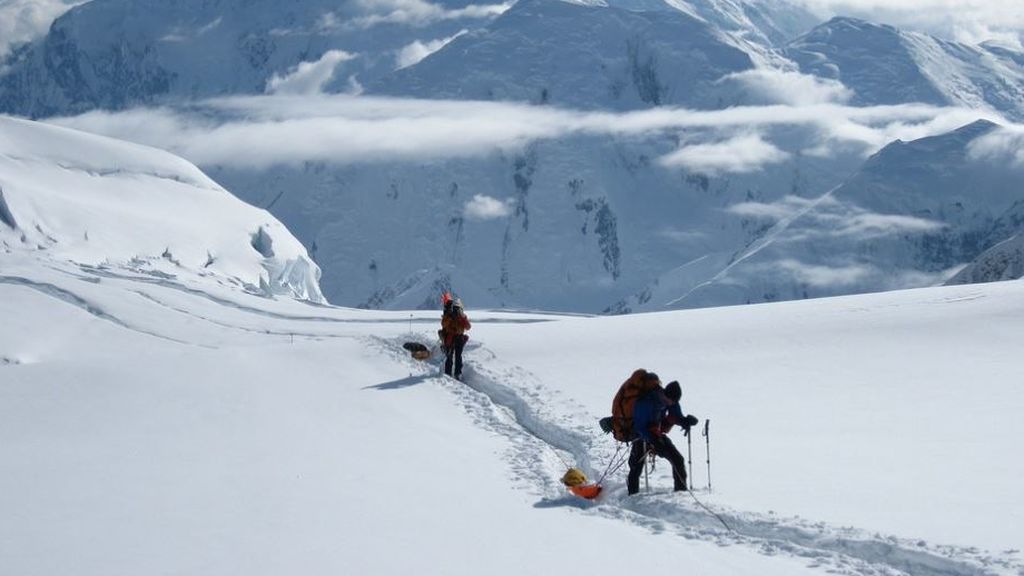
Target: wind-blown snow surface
(148,426)
(98,201)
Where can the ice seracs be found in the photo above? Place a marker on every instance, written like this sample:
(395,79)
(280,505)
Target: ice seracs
(97,201)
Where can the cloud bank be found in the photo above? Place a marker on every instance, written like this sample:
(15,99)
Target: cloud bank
(418,13)
(787,87)
(263,131)
(1003,145)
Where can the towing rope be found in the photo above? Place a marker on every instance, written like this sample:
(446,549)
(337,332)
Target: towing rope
(617,461)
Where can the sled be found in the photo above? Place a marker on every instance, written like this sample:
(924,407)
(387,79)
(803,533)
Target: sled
(587,491)
(418,351)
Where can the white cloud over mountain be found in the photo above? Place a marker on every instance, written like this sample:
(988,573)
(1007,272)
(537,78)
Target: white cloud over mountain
(309,77)
(415,51)
(744,153)
(339,129)
(483,207)
(419,12)
(25,20)
(1003,145)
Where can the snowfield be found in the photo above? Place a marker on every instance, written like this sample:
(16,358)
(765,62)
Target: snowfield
(177,425)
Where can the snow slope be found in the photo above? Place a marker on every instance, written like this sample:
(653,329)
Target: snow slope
(150,426)
(885,65)
(547,51)
(1004,261)
(68,195)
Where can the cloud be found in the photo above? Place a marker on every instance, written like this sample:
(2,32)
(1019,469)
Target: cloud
(416,13)
(483,207)
(309,77)
(793,88)
(828,217)
(785,208)
(864,225)
(825,276)
(745,153)
(970,21)
(23,21)
(416,51)
(180,34)
(262,131)
(1002,145)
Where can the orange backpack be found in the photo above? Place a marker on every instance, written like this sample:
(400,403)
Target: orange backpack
(625,399)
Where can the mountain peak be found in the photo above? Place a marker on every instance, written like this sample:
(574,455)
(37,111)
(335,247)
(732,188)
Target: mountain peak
(548,51)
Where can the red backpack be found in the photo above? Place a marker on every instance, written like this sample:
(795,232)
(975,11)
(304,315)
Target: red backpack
(625,399)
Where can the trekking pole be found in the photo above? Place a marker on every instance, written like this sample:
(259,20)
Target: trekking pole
(647,484)
(689,457)
(707,449)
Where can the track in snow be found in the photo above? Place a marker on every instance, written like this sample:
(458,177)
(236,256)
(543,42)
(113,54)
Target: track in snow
(514,403)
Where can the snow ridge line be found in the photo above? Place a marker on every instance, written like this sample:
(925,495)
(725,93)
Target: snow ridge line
(835,550)
(69,297)
(261,331)
(167,283)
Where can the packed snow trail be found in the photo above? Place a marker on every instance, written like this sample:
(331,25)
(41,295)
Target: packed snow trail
(512,402)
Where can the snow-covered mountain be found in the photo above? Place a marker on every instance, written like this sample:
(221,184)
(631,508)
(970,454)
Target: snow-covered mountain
(573,223)
(102,203)
(624,54)
(911,216)
(885,65)
(1005,259)
(116,54)
(754,26)
(596,220)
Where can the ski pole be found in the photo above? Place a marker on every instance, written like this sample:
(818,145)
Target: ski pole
(707,449)
(647,484)
(689,457)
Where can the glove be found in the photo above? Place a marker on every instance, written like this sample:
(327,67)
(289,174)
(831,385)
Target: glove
(689,421)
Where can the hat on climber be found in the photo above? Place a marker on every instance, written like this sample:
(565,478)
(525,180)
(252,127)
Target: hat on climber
(673,391)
